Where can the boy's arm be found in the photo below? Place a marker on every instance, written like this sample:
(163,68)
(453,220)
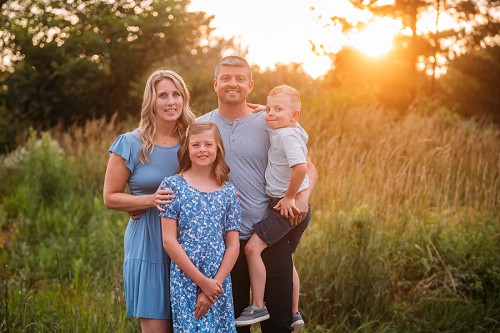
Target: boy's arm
(302,198)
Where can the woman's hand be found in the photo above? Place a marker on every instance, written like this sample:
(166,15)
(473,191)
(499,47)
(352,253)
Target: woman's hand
(163,197)
(202,306)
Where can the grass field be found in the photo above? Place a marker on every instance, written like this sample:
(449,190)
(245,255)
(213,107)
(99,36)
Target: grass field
(405,235)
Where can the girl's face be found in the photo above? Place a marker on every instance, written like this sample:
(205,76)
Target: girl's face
(169,101)
(202,149)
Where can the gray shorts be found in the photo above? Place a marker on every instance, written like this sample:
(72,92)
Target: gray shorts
(275,226)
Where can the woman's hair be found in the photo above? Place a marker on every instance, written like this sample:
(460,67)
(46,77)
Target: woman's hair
(220,169)
(147,125)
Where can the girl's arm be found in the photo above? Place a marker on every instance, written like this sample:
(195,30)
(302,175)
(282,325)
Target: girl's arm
(230,255)
(117,175)
(212,288)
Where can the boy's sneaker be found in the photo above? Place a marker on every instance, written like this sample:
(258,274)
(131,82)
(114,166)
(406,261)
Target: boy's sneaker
(251,315)
(297,322)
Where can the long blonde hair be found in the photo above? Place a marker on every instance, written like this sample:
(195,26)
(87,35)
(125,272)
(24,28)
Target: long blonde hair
(147,125)
(220,169)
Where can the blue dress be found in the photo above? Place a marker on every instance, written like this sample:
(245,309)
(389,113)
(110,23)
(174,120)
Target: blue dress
(146,264)
(203,218)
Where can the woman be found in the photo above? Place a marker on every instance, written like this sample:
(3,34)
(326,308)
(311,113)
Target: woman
(141,159)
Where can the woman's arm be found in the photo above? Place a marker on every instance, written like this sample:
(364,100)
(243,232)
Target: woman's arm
(212,288)
(117,175)
(230,255)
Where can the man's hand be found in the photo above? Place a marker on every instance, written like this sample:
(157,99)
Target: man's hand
(302,204)
(135,215)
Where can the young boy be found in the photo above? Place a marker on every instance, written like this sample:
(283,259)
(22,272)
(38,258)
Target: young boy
(285,177)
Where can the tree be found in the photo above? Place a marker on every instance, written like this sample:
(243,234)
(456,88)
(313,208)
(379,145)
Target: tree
(471,84)
(477,25)
(79,58)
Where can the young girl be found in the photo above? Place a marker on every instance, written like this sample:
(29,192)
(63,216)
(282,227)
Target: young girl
(200,230)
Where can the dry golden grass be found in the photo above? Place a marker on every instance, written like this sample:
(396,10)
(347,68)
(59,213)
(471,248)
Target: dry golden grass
(393,163)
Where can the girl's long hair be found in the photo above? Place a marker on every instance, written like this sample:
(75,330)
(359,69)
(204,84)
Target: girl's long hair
(220,169)
(147,125)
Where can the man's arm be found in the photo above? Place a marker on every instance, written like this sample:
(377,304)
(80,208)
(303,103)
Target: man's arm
(302,198)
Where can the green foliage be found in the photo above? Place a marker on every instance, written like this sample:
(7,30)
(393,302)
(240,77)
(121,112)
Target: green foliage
(471,85)
(77,59)
(356,276)
(371,260)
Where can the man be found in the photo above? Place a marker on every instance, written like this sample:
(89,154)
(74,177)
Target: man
(246,142)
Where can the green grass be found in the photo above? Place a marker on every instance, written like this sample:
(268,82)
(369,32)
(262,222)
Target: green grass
(405,235)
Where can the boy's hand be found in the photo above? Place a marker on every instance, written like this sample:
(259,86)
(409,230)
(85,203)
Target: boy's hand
(288,209)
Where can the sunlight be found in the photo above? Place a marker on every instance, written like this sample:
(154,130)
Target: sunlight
(377,38)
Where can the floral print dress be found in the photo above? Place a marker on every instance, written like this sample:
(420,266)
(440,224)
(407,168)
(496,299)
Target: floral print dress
(203,218)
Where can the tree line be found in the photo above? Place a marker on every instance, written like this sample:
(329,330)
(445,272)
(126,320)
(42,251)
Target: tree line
(67,61)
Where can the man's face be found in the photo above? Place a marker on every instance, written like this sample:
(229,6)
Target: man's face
(233,85)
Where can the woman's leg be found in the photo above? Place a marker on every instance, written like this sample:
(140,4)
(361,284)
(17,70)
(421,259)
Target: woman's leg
(156,325)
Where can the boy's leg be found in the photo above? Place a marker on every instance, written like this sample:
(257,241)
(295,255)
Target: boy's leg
(279,287)
(241,285)
(296,290)
(257,270)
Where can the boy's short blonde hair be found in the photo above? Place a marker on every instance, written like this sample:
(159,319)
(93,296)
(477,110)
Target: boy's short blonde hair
(288,91)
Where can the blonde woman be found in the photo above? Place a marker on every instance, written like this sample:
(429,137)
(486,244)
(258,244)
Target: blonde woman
(141,159)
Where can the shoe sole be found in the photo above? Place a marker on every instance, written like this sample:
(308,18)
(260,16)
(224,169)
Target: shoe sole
(297,325)
(251,321)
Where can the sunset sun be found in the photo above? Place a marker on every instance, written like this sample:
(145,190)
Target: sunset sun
(376,39)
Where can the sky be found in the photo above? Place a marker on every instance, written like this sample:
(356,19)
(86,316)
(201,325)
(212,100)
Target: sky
(281,31)
(274,31)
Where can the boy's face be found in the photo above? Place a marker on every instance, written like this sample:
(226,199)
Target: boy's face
(280,112)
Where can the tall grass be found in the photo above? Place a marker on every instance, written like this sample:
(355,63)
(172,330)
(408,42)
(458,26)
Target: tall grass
(404,237)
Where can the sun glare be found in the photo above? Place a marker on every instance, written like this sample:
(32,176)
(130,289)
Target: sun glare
(377,38)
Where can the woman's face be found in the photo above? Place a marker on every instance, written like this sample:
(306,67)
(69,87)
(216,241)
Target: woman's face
(169,101)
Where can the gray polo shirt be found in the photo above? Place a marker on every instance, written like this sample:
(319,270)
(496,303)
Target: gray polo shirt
(246,143)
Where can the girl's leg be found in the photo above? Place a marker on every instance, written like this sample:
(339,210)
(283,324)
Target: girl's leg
(257,270)
(296,290)
(156,325)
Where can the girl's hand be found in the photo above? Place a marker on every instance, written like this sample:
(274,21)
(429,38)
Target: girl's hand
(202,306)
(163,197)
(288,209)
(211,288)
(257,107)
